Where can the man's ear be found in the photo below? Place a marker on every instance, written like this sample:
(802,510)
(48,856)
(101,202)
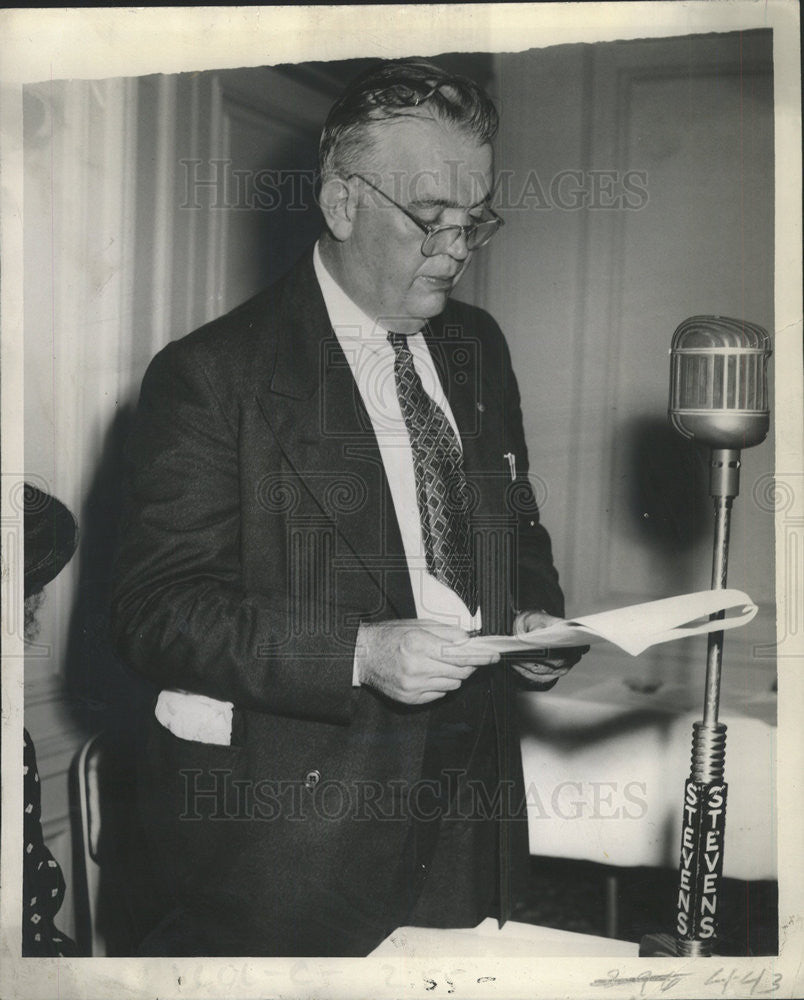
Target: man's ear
(338,203)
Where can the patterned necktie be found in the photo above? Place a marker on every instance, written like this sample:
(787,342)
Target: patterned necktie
(441,491)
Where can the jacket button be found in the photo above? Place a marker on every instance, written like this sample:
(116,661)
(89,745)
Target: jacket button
(311,779)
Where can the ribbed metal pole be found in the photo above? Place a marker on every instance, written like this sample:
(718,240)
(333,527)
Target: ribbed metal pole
(704,820)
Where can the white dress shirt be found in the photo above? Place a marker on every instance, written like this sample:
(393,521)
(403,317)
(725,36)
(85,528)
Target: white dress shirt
(364,341)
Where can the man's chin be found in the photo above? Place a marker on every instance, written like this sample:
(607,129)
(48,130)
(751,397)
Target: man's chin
(432,301)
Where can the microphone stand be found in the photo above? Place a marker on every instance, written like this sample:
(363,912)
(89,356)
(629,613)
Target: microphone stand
(703,825)
(704,816)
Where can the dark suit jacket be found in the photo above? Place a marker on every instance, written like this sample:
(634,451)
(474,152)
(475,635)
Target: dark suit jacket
(260,533)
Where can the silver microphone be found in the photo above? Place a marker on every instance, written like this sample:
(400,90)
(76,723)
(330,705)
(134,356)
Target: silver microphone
(719,382)
(719,390)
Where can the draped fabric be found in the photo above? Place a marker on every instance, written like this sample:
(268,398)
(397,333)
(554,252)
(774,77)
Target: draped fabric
(42,881)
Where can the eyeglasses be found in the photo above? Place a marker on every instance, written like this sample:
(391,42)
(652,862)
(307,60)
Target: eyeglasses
(439,239)
(410,94)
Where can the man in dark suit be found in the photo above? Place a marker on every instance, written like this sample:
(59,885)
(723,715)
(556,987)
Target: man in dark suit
(329,492)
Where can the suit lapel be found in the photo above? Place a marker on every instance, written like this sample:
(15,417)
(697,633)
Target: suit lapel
(315,411)
(317,416)
(469,385)
(460,369)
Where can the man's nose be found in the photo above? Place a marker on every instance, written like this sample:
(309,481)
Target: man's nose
(459,248)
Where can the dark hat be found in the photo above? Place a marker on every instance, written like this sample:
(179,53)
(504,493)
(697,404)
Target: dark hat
(51,535)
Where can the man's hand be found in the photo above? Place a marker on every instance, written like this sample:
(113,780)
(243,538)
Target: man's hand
(415,661)
(544,670)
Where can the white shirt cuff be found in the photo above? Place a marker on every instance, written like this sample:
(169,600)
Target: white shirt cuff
(195,717)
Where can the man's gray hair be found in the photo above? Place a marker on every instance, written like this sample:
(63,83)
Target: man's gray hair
(399,89)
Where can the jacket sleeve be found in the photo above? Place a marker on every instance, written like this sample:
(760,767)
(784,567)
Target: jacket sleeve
(180,613)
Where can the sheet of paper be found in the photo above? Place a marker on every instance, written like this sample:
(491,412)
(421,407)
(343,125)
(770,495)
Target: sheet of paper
(634,628)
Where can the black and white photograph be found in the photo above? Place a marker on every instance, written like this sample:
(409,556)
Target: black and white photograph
(402,501)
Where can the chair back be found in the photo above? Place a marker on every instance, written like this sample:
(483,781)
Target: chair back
(117,897)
